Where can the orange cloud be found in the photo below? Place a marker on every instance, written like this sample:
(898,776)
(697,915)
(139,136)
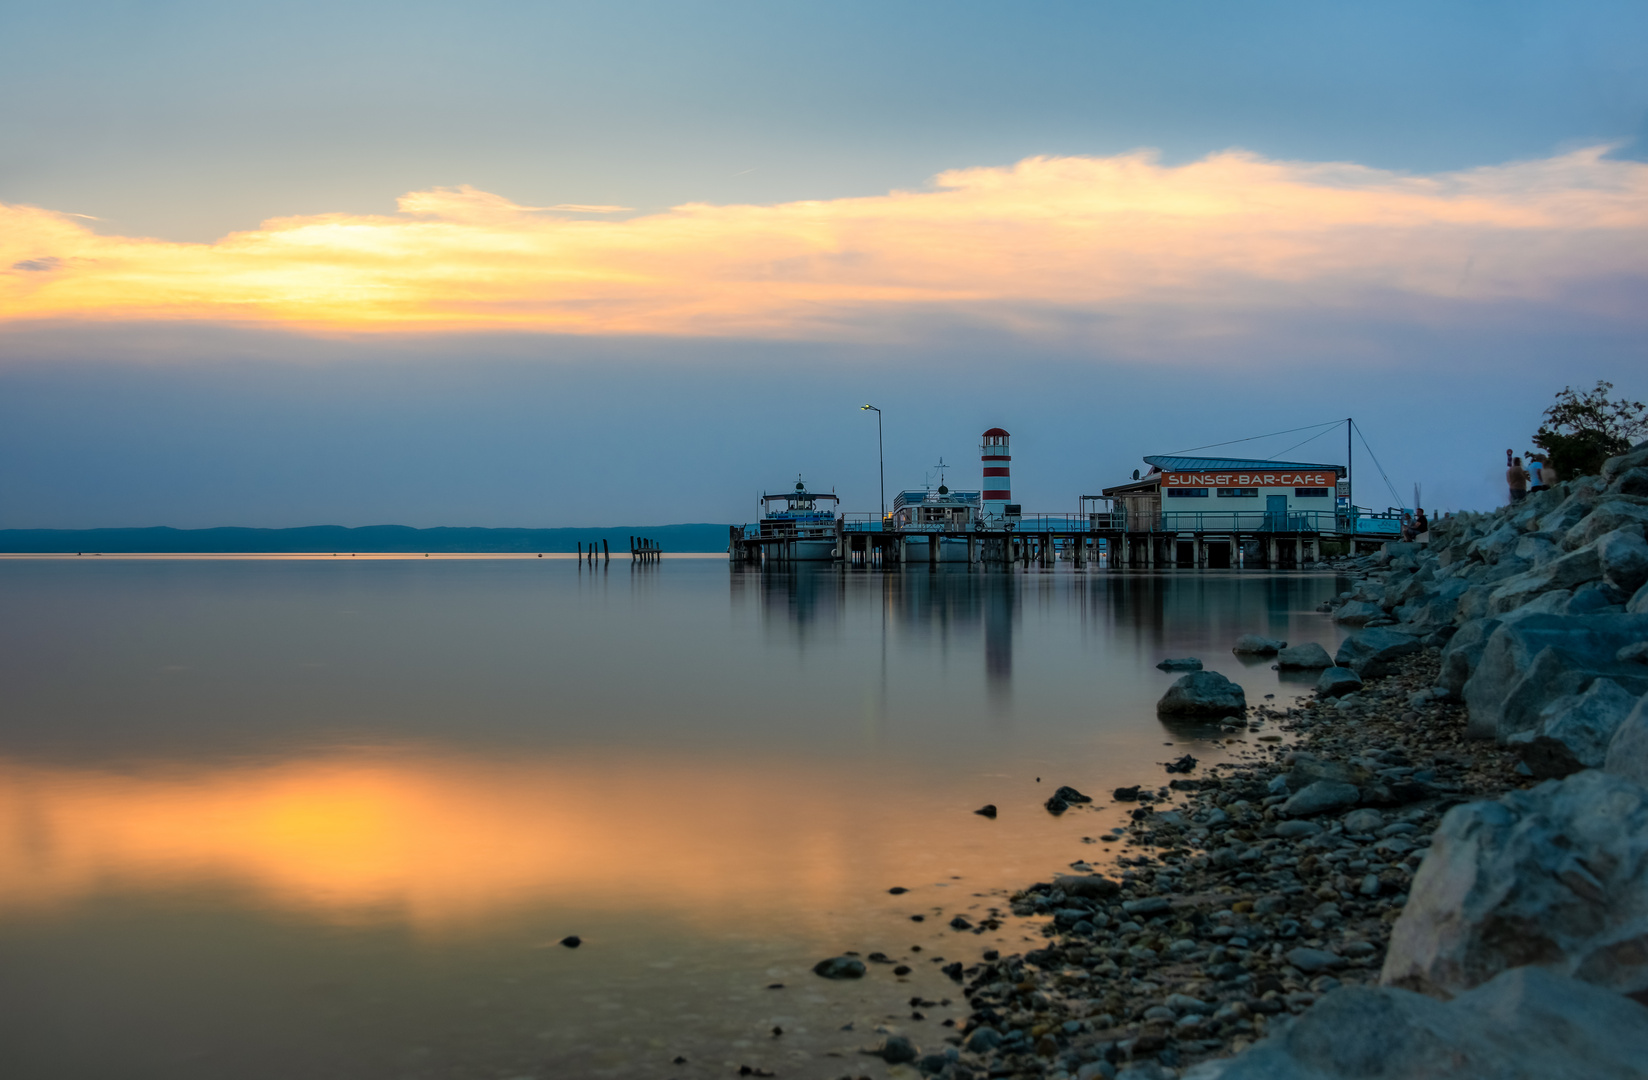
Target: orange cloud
(1095,236)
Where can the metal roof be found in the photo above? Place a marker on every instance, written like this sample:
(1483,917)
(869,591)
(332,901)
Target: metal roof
(1167,463)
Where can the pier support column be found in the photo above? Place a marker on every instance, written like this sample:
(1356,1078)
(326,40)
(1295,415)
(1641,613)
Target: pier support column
(933,542)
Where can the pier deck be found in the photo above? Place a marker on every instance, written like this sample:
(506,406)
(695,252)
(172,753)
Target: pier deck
(1115,549)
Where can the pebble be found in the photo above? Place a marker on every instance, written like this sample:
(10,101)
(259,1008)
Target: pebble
(840,967)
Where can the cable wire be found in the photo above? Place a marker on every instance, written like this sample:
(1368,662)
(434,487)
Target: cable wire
(1313,438)
(1254,438)
(1396,500)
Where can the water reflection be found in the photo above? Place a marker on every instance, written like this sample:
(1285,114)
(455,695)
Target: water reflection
(356,768)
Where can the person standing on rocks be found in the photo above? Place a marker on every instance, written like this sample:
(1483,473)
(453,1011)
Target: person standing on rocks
(1541,473)
(1516,478)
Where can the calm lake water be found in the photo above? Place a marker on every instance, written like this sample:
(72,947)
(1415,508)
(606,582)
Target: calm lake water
(313,817)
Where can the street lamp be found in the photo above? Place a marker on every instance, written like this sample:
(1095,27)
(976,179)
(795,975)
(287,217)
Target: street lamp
(881,457)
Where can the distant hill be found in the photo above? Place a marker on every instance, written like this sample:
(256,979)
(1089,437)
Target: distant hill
(373,539)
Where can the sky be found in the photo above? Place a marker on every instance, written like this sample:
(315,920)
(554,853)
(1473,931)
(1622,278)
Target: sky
(574,264)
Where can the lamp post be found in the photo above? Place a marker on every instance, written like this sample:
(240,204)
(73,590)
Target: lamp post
(881,459)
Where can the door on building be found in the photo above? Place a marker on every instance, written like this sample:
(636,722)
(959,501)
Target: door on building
(1275,513)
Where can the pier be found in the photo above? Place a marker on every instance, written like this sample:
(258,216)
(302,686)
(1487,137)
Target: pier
(1045,543)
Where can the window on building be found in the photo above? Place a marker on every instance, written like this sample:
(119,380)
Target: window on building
(1310,493)
(1187,493)
(1238,493)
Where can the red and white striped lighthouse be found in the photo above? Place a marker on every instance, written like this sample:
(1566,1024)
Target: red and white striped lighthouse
(998,485)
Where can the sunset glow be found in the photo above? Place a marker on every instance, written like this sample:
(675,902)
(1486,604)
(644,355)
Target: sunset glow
(999,245)
(435,842)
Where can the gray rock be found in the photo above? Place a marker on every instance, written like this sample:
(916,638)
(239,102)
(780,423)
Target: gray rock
(1530,662)
(1574,569)
(1526,1024)
(1258,645)
(1089,886)
(1184,1003)
(983,1039)
(1291,830)
(896,1050)
(1357,612)
(1307,656)
(1573,732)
(1372,652)
(1597,598)
(1637,653)
(1609,515)
(1628,752)
(1362,821)
(840,967)
(1638,604)
(1149,905)
(1630,482)
(1320,797)
(1633,458)
(1202,694)
(1623,555)
(1556,876)
(1337,682)
(1462,653)
(1307,769)
(1314,961)
(1186,663)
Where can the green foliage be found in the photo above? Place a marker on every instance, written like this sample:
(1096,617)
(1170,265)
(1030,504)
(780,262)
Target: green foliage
(1582,430)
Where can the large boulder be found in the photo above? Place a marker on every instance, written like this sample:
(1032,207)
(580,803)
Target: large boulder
(1609,514)
(1633,458)
(1308,656)
(1526,1024)
(1623,554)
(1202,694)
(1257,645)
(1630,482)
(1628,751)
(1357,612)
(1531,661)
(1555,876)
(1462,653)
(1337,682)
(1574,569)
(1573,732)
(1373,652)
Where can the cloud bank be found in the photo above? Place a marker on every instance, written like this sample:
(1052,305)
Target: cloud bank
(1200,249)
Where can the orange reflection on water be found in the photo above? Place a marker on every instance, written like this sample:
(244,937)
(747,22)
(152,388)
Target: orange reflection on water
(436,841)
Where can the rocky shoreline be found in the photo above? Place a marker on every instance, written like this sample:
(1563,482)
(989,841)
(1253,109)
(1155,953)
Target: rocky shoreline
(1436,865)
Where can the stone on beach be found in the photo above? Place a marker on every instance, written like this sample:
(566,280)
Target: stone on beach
(1308,656)
(1257,645)
(1186,663)
(840,967)
(1337,682)
(1087,886)
(1371,652)
(1203,694)
(1320,797)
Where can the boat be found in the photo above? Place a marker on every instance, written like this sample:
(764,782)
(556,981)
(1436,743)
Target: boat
(800,519)
(940,511)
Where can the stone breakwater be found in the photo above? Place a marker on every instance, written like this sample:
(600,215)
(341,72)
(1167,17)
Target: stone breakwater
(1439,868)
